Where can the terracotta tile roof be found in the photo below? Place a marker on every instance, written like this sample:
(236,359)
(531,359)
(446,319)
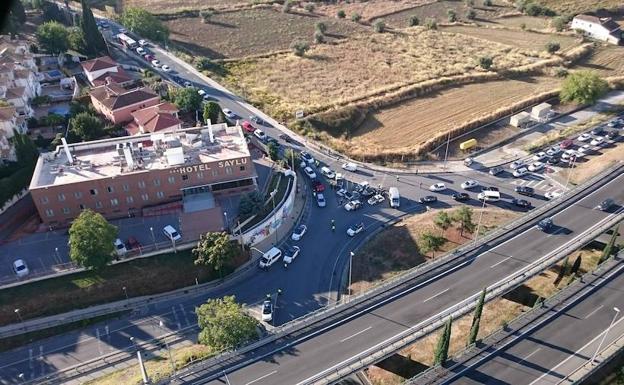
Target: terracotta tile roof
(7,113)
(157,118)
(99,63)
(112,77)
(21,74)
(114,97)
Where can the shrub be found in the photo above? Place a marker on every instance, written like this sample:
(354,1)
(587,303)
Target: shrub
(487,3)
(552,47)
(319,38)
(356,17)
(341,14)
(583,87)
(523,26)
(299,47)
(206,15)
(379,26)
(471,14)
(287,6)
(559,23)
(320,27)
(413,21)
(452,16)
(485,62)
(309,7)
(470,3)
(431,23)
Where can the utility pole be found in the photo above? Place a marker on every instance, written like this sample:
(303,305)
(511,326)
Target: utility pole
(604,336)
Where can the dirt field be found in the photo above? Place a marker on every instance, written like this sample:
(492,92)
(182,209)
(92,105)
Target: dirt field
(608,60)
(515,38)
(572,7)
(162,6)
(530,22)
(595,164)
(364,65)
(368,9)
(413,122)
(237,34)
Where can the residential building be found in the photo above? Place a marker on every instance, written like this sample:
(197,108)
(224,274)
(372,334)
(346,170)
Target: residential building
(117,103)
(11,121)
(124,176)
(104,70)
(161,117)
(604,29)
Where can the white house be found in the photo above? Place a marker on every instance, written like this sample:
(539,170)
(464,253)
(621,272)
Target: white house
(17,97)
(604,29)
(97,67)
(10,122)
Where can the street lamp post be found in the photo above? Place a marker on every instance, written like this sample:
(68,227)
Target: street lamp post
(351,254)
(572,163)
(273,193)
(448,141)
(479,224)
(126,293)
(168,349)
(153,237)
(19,316)
(227,223)
(604,336)
(58,256)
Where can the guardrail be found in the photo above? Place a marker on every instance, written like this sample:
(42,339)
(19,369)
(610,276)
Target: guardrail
(227,358)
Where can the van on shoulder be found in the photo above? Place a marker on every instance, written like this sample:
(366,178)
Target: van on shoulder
(394,197)
(270,257)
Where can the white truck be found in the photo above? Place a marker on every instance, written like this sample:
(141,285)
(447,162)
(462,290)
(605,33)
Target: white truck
(394,197)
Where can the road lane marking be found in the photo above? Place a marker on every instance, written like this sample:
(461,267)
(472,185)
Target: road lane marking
(593,312)
(499,262)
(529,355)
(261,378)
(356,334)
(440,293)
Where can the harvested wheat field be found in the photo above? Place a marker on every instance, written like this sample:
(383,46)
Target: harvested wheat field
(237,34)
(606,60)
(165,7)
(529,22)
(364,65)
(515,38)
(414,122)
(572,7)
(368,9)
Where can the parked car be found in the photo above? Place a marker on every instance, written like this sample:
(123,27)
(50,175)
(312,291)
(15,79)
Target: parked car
(228,113)
(142,43)
(375,199)
(285,138)
(522,203)
(567,154)
(349,166)
(166,68)
(516,164)
(156,63)
(306,158)
(469,184)
(309,172)
(495,170)
(247,126)
(615,123)
(123,30)
(554,150)
(328,172)
(586,149)
(552,195)
(318,186)
(20,269)
(133,244)
(597,130)
(120,247)
(353,205)
(171,233)
(566,144)
(320,200)
(460,197)
(267,311)
(597,141)
(539,156)
(584,137)
(256,120)
(437,187)
(299,232)
(553,161)
(520,172)
(525,190)
(141,51)
(291,253)
(613,135)
(258,133)
(545,224)
(536,166)
(428,199)
(270,257)
(355,229)
(148,57)
(341,192)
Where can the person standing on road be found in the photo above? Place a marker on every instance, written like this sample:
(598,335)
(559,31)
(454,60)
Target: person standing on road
(397,178)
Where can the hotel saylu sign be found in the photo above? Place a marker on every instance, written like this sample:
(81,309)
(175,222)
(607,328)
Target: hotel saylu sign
(206,166)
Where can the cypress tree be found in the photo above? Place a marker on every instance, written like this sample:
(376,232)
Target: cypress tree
(577,265)
(441,352)
(93,38)
(606,253)
(476,319)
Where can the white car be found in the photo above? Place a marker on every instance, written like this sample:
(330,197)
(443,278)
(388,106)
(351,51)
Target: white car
(260,134)
(141,51)
(171,233)
(355,229)
(536,166)
(320,200)
(437,187)
(353,205)
(586,149)
(520,172)
(156,63)
(378,198)
(349,166)
(309,172)
(567,154)
(597,141)
(291,254)
(554,150)
(228,113)
(516,164)
(267,311)
(120,247)
(584,137)
(552,194)
(20,268)
(539,156)
(299,232)
(142,43)
(306,158)
(166,68)
(469,184)
(201,92)
(341,192)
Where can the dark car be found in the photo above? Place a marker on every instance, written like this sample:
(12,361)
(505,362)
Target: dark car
(428,199)
(285,138)
(612,134)
(495,170)
(606,204)
(525,190)
(461,196)
(257,120)
(597,131)
(553,161)
(274,141)
(522,203)
(489,188)
(317,186)
(545,224)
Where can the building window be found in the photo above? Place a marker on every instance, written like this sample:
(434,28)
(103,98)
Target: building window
(61,197)
(65,210)
(98,205)
(184,177)
(171,179)
(82,207)
(77,194)
(242,168)
(160,194)
(228,170)
(44,200)
(200,175)
(93,191)
(156,182)
(129,199)
(145,197)
(114,202)
(215,172)
(49,212)
(126,187)
(141,184)
(110,189)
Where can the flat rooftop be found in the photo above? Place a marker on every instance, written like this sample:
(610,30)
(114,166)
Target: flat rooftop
(138,154)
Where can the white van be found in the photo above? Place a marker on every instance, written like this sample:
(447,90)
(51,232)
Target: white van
(270,257)
(395,198)
(489,196)
(328,172)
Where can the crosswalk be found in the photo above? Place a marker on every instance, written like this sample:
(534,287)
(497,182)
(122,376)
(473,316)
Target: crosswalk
(539,182)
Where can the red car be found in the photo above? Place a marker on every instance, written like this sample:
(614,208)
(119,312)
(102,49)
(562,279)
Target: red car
(566,144)
(317,186)
(133,244)
(148,57)
(248,126)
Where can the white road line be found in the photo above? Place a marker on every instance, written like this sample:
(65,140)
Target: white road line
(593,312)
(356,334)
(529,355)
(260,378)
(440,293)
(41,361)
(499,262)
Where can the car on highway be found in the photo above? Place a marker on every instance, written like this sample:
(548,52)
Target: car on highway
(309,172)
(355,229)
(148,57)
(257,120)
(597,141)
(286,138)
(270,257)
(228,113)
(584,137)
(536,166)
(267,311)
(142,42)
(522,203)
(349,166)
(520,172)
(469,184)
(489,188)
(291,254)
(320,200)
(248,127)
(460,197)
(525,190)
(554,150)
(328,172)
(606,204)
(428,199)
(299,232)
(375,199)
(20,268)
(201,92)
(171,233)
(539,156)
(353,205)
(436,187)
(552,195)
(156,63)
(495,170)
(597,131)
(258,133)
(188,84)
(545,224)
(165,68)
(516,164)
(306,158)
(141,51)
(318,186)
(120,247)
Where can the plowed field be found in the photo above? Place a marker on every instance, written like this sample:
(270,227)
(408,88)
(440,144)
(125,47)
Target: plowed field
(515,38)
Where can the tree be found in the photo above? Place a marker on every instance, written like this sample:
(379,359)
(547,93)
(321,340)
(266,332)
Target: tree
(91,240)
(51,12)
(16,11)
(52,37)
(552,47)
(583,87)
(299,47)
(341,14)
(379,26)
(250,204)
(442,220)
(76,40)
(563,271)
(224,324)
(273,151)
(206,15)
(463,216)
(86,126)
(95,44)
(470,3)
(309,7)
(413,21)
(476,319)
(212,111)
(471,14)
(576,265)
(559,23)
(187,99)
(485,62)
(442,348)
(606,252)
(144,23)
(319,37)
(356,17)
(487,3)
(431,24)
(320,27)
(215,250)
(431,242)
(452,15)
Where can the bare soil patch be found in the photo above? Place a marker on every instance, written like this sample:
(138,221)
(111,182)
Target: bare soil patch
(164,7)
(595,164)
(607,60)
(368,9)
(251,32)
(573,7)
(529,22)
(516,38)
